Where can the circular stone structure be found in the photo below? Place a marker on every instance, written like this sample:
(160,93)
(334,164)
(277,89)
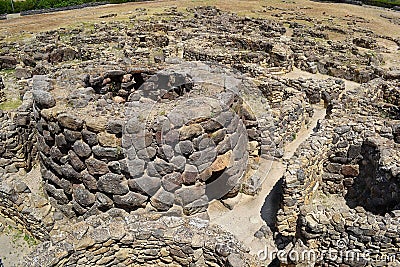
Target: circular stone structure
(141,240)
(130,139)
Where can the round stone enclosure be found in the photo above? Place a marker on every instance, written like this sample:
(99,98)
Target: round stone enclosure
(141,240)
(187,135)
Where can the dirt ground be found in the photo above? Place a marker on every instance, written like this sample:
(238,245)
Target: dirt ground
(14,243)
(380,21)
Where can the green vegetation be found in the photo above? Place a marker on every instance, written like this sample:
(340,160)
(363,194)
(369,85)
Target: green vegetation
(30,240)
(7,71)
(10,104)
(382,3)
(18,235)
(6,5)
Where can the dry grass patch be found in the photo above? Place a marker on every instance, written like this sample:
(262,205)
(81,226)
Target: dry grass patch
(316,10)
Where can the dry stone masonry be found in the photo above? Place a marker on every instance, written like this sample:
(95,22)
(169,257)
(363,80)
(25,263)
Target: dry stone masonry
(353,162)
(184,137)
(124,132)
(141,240)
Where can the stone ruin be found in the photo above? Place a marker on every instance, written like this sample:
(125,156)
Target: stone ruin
(140,240)
(353,162)
(183,137)
(131,154)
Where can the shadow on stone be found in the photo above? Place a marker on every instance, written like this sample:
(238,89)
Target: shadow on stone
(375,188)
(271,205)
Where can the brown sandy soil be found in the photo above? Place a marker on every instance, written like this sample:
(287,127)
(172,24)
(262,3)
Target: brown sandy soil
(376,19)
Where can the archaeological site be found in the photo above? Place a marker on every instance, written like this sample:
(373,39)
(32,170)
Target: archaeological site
(201,133)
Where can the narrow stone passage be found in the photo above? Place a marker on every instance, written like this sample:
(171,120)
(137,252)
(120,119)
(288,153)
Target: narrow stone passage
(248,209)
(250,212)
(15,242)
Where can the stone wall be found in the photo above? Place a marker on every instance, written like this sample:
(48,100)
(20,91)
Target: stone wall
(119,239)
(178,138)
(349,150)
(347,157)
(325,56)
(301,182)
(18,204)
(291,100)
(17,139)
(2,93)
(278,57)
(11,208)
(350,167)
(390,93)
(293,113)
(354,237)
(361,204)
(305,170)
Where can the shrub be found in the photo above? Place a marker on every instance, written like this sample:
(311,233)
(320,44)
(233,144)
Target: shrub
(6,7)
